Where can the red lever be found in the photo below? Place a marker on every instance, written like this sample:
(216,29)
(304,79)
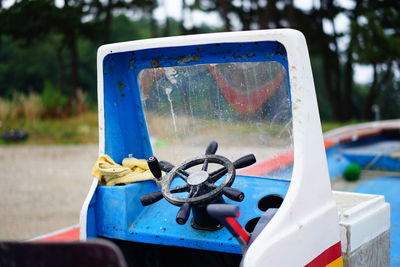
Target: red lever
(226,214)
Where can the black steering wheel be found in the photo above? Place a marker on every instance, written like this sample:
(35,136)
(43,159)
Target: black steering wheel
(200,185)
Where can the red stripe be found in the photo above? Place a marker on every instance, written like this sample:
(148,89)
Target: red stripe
(69,235)
(327,256)
(276,163)
(238,229)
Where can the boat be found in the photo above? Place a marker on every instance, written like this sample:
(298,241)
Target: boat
(252,92)
(230,126)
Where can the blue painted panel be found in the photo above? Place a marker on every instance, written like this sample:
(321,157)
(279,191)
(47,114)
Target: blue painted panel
(118,206)
(117,211)
(390,188)
(120,215)
(125,128)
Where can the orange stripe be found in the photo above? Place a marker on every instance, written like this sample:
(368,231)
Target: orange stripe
(277,162)
(269,166)
(336,263)
(327,257)
(329,143)
(69,235)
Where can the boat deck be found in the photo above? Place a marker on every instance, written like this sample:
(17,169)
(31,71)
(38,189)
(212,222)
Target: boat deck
(386,147)
(381,154)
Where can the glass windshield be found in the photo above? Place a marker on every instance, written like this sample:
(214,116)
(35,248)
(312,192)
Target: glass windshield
(243,106)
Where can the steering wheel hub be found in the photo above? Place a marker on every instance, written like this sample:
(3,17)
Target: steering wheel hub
(198,178)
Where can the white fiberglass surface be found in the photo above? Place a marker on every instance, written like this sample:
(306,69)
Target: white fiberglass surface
(243,106)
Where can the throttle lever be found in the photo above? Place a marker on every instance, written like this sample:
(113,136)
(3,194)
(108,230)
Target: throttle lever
(226,214)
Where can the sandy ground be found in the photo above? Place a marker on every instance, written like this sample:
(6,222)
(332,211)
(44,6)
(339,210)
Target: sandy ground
(42,188)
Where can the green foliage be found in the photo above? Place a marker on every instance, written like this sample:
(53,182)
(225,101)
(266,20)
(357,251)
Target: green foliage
(324,105)
(124,29)
(54,102)
(40,41)
(27,106)
(352,172)
(331,125)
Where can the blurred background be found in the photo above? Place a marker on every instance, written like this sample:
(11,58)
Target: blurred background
(48,80)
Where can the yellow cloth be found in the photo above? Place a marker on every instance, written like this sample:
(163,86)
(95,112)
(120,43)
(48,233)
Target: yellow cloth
(110,173)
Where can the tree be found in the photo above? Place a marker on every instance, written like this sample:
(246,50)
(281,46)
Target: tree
(103,12)
(36,20)
(337,64)
(377,43)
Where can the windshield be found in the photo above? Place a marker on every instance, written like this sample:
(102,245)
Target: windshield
(243,106)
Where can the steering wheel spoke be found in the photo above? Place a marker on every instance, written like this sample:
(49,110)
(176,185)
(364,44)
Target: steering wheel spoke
(216,175)
(180,189)
(205,165)
(183,175)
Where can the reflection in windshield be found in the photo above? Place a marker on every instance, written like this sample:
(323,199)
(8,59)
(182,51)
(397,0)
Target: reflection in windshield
(245,107)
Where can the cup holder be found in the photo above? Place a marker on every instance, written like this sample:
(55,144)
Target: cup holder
(270,201)
(250,225)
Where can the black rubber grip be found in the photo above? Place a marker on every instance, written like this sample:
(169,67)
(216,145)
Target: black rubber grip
(212,148)
(183,214)
(154,167)
(221,211)
(233,194)
(151,198)
(244,161)
(166,166)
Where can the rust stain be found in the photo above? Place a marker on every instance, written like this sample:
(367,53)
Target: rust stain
(121,86)
(178,58)
(188,59)
(132,64)
(250,55)
(155,63)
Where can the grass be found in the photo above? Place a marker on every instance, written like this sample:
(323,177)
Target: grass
(327,126)
(80,129)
